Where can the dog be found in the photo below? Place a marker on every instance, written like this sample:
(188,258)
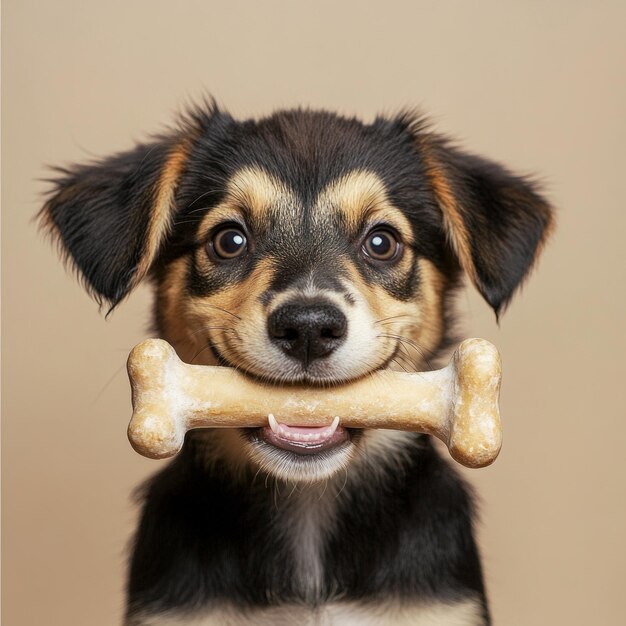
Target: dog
(303,247)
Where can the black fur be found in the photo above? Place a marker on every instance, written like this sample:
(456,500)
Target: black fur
(504,215)
(507,220)
(101,213)
(204,536)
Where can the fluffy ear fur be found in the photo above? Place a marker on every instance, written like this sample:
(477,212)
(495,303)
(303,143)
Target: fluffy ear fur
(495,221)
(111,217)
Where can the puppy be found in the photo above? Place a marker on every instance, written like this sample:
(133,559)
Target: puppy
(304,247)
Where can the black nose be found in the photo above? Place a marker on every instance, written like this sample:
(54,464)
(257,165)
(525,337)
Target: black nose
(307,331)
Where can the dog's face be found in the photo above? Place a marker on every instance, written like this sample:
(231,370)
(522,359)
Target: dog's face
(303,248)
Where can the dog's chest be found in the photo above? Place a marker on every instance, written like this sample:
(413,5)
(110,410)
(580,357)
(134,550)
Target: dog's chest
(304,518)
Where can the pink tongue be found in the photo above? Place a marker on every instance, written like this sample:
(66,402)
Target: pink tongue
(303,430)
(306,434)
(304,439)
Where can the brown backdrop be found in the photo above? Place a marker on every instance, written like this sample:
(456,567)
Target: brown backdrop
(538,85)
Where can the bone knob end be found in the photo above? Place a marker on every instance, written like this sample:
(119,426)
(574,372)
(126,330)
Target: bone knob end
(156,430)
(476,432)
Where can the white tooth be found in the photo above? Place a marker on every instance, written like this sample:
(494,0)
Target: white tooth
(316,437)
(296,436)
(282,431)
(273,423)
(307,437)
(333,426)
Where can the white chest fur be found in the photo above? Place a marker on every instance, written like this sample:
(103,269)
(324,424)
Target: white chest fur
(304,519)
(465,613)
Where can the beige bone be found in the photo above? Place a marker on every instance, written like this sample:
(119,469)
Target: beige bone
(458,404)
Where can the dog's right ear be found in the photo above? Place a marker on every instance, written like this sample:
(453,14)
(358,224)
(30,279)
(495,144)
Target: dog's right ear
(112,216)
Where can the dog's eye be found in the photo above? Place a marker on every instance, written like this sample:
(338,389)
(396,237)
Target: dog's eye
(229,243)
(381,245)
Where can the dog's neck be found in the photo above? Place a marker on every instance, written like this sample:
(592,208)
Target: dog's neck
(303,514)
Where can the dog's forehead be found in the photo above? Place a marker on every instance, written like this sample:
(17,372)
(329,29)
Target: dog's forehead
(309,152)
(267,197)
(321,145)
(312,177)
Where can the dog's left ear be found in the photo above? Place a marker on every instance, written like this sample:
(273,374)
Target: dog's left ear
(111,217)
(495,221)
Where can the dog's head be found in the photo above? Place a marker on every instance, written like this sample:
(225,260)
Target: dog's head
(304,247)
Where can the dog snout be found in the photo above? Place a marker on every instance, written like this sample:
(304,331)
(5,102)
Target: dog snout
(307,331)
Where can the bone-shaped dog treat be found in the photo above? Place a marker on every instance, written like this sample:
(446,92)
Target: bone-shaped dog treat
(458,404)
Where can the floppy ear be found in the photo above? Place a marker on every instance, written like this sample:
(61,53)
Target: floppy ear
(495,221)
(112,216)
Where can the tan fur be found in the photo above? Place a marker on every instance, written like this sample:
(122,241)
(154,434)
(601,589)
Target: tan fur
(244,319)
(232,312)
(171,303)
(428,331)
(456,231)
(162,211)
(461,613)
(359,196)
(393,319)
(250,190)
(256,189)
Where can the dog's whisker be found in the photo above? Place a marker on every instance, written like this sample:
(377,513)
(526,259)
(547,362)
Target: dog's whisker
(294,488)
(191,221)
(206,329)
(208,345)
(197,354)
(405,349)
(417,346)
(393,317)
(398,323)
(395,360)
(202,195)
(410,343)
(345,482)
(402,360)
(108,383)
(219,308)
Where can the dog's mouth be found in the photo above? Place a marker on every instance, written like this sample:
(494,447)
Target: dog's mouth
(302,452)
(304,440)
(298,452)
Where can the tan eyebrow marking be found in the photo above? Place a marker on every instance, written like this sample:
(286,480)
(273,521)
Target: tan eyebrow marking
(256,189)
(359,195)
(252,190)
(354,194)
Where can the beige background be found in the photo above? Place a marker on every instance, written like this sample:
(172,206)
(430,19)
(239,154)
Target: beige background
(538,85)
